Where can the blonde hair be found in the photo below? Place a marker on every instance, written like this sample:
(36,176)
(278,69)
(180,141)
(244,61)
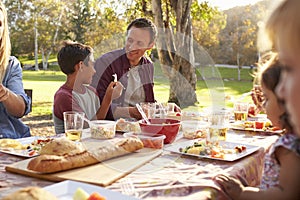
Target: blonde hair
(266,60)
(283,26)
(5,46)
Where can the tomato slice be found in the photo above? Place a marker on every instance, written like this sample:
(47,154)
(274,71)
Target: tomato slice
(96,196)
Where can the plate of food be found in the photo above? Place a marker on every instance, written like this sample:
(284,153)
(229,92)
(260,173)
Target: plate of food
(69,190)
(262,127)
(25,147)
(223,150)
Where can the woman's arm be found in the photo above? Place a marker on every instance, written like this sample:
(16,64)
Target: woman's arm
(13,103)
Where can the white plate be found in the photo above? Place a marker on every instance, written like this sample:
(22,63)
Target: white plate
(65,190)
(226,145)
(239,126)
(26,141)
(24,152)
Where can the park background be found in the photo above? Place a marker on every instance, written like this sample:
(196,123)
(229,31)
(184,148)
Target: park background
(219,36)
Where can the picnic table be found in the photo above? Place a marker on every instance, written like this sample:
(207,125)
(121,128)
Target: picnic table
(169,175)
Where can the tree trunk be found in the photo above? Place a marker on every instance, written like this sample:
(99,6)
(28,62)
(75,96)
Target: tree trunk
(239,65)
(176,52)
(36,66)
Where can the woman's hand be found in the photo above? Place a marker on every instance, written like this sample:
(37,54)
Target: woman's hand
(13,103)
(4,93)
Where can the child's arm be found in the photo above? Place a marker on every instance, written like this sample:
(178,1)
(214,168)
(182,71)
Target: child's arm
(289,181)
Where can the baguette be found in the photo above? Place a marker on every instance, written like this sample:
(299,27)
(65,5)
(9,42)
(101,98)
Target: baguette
(55,163)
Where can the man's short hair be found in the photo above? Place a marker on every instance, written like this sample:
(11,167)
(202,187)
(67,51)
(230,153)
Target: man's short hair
(145,24)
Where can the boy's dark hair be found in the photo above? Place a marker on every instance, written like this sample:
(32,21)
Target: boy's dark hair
(71,54)
(144,24)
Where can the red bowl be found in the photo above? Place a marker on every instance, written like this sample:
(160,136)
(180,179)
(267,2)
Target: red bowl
(167,127)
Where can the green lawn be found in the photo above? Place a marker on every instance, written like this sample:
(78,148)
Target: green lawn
(46,83)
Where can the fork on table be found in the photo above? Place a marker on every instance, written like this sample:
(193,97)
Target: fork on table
(128,188)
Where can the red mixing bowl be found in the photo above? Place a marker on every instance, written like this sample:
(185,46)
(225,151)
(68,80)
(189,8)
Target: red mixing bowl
(167,127)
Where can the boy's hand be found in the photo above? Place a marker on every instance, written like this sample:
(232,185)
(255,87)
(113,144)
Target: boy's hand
(117,89)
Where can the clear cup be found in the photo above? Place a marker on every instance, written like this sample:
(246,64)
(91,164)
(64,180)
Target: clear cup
(149,109)
(73,123)
(169,107)
(217,133)
(161,110)
(240,110)
(219,123)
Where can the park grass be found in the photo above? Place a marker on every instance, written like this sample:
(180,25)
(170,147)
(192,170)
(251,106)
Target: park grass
(45,83)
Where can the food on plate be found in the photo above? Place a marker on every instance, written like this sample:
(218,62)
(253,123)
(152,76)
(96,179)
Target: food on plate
(205,148)
(81,194)
(256,126)
(35,146)
(15,146)
(239,148)
(30,193)
(96,196)
(80,157)
(127,126)
(7,143)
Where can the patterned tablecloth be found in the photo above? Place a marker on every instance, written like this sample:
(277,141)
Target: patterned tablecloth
(170,175)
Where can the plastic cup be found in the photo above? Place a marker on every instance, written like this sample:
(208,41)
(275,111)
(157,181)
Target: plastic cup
(149,109)
(73,123)
(240,111)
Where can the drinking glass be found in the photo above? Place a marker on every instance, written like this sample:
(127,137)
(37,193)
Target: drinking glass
(149,109)
(240,111)
(219,123)
(73,122)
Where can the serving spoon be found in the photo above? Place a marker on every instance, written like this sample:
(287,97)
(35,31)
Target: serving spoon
(142,113)
(86,120)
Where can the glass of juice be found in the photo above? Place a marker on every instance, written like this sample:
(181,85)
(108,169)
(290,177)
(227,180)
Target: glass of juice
(240,110)
(73,123)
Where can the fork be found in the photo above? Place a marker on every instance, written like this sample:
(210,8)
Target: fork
(128,188)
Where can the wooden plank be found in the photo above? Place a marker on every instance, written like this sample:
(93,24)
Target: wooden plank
(103,174)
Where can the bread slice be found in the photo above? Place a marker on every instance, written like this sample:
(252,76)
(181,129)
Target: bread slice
(30,193)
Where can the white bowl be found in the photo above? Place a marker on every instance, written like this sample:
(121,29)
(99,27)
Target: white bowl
(103,129)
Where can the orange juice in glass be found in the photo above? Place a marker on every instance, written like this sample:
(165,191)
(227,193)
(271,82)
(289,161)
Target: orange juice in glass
(240,111)
(73,123)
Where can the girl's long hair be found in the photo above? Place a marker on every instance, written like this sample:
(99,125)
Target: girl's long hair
(5,46)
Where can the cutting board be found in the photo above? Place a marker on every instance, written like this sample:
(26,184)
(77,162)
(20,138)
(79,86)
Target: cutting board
(103,174)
